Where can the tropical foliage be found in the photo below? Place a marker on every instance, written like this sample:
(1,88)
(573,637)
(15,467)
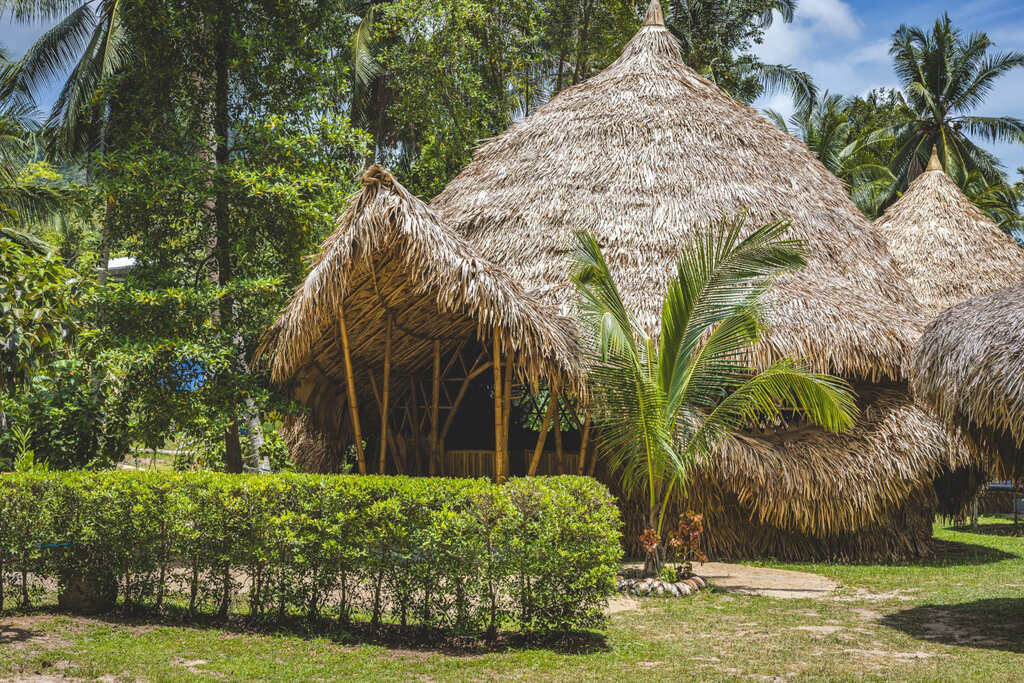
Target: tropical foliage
(666,402)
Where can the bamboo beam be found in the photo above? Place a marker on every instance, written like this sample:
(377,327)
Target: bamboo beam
(542,437)
(434,400)
(584,443)
(353,408)
(499,412)
(385,391)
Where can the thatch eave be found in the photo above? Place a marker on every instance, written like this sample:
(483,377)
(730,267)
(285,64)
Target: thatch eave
(969,369)
(391,256)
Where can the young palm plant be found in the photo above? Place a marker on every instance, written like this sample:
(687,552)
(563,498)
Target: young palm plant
(664,404)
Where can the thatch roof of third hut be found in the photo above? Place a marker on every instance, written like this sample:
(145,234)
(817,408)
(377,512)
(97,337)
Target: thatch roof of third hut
(646,155)
(947,247)
(969,369)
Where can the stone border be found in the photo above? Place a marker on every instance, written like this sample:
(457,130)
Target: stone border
(655,587)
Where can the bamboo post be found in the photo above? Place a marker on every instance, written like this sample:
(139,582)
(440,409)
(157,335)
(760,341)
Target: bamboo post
(385,391)
(542,437)
(584,443)
(507,403)
(435,399)
(499,412)
(353,408)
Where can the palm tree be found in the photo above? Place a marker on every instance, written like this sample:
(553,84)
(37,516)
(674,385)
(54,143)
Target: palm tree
(716,35)
(944,77)
(89,44)
(25,199)
(663,404)
(828,131)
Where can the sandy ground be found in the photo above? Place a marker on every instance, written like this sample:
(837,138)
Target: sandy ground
(739,578)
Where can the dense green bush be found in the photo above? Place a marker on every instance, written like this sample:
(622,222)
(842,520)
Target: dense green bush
(465,556)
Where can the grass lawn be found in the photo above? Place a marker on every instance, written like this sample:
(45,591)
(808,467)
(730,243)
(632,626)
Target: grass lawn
(957,617)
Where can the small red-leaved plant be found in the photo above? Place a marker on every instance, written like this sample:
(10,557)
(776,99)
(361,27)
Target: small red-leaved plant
(684,543)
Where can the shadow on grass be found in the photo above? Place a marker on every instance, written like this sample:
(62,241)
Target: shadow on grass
(992,624)
(13,634)
(1010,529)
(390,636)
(947,553)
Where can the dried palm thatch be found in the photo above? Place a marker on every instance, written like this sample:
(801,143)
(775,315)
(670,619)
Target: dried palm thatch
(969,368)
(647,154)
(948,249)
(804,493)
(391,258)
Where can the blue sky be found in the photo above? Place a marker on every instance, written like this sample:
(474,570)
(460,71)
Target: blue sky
(843,44)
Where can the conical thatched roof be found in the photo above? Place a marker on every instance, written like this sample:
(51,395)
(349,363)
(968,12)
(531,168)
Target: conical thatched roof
(948,249)
(969,368)
(391,255)
(645,155)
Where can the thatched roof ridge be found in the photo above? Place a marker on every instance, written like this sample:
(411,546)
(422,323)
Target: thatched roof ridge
(647,154)
(969,369)
(811,482)
(947,247)
(392,255)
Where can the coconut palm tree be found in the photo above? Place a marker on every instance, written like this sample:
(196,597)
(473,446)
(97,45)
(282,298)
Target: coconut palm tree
(716,35)
(944,77)
(664,403)
(87,45)
(827,129)
(25,199)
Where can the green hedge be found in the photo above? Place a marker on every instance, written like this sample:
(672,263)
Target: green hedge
(465,556)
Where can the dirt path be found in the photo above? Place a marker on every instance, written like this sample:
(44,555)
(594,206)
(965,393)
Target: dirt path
(774,583)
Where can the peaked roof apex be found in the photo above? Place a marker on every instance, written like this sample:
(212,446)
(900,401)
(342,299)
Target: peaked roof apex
(654,16)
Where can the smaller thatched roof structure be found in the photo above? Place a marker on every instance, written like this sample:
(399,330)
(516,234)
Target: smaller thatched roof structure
(391,257)
(947,247)
(969,368)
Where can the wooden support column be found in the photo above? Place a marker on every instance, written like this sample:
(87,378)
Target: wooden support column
(584,444)
(353,408)
(507,404)
(435,400)
(499,413)
(542,437)
(385,391)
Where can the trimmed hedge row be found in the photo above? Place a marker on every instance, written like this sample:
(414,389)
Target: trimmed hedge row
(465,556)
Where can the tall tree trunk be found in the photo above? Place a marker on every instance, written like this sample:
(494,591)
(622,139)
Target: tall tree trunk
(220,240)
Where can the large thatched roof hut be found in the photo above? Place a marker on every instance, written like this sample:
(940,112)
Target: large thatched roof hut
(646,155)
(947,247)
(969,368)
(384,319)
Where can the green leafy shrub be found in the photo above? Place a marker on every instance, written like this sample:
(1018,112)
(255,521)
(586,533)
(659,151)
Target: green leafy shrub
(463,556)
